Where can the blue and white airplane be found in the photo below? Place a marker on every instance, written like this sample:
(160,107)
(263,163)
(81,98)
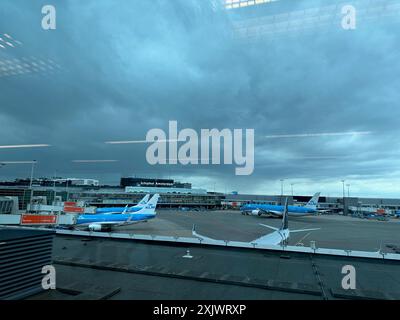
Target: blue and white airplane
(276,210)
(100,222)
(280,236)
(135,208)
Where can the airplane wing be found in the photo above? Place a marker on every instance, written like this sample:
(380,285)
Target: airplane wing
(125,210)
(194,233)
(275,238)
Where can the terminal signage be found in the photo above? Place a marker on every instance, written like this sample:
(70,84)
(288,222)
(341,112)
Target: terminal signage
(156,184)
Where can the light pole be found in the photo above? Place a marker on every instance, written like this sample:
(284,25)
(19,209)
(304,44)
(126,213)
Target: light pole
(282,180)
(343,197)
(32,169)
(31,184)
(66,188)
(343,188)
(54,186)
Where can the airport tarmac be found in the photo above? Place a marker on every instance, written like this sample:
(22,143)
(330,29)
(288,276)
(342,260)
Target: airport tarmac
(98,268)
(336,231)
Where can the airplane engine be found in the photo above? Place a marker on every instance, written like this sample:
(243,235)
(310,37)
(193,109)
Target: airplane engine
(256,212)
(94,227)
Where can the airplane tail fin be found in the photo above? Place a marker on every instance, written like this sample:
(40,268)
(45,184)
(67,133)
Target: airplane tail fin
(285,216)
(312,204)
(142,202)
(152,203)
(150,207)
(145,199)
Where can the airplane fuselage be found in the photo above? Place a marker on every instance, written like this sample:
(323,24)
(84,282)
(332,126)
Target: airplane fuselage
(117,210)
(87,219)
(278,210)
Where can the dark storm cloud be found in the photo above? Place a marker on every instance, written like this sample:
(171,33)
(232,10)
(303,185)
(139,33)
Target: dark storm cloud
(127,67)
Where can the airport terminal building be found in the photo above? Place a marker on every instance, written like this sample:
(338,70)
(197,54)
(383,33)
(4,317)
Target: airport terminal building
(129,192)
(173,195)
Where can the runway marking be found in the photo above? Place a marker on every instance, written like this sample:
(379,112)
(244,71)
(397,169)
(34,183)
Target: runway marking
(303,238)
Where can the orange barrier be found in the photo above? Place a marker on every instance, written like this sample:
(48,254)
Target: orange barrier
(34,219)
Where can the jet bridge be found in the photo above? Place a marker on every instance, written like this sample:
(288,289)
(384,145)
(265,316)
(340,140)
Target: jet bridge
(26,219)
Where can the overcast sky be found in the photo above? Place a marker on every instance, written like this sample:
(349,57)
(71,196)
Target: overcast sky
(112,70)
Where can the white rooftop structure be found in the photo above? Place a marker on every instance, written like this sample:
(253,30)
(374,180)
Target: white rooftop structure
(165,190)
